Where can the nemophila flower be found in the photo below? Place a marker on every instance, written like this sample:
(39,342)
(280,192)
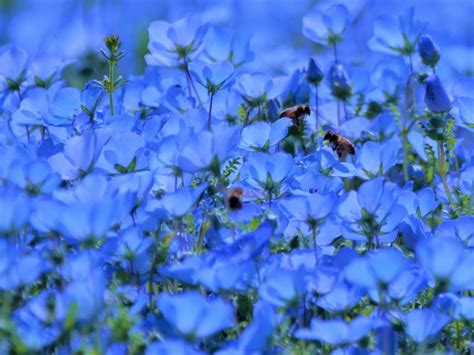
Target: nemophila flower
(373,212)
(80,154)
(172,346)
(256,336)
(387,276)
(220,45)
(377,269)
(463,228)
(466,110)
(341,297)
(132,251)
(254,87)
(16,208)
(121,158)
(374,159)
(267,171)
(283,288)
(328,26)
(314,74)
(85,279)
(12,77)
(428,51)
(208,150)
(56,106)
(85,213)
(176,203)
(413,230)
(46,69)
(339,82)
(34,177)
(261,136)
(174,44)
(448,262)
(195,316)
(213,76)
(436,98)
(396,35)
(456,307)
(336,332)
(424,324)
(19,268)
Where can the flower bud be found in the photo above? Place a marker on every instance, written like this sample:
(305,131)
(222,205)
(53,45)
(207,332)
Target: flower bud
(314,75)
(341,85)
(428,51)
(436,98)
(112,43)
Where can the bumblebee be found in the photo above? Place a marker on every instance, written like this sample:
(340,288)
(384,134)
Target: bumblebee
(233,199)
(340,144)
(296,113)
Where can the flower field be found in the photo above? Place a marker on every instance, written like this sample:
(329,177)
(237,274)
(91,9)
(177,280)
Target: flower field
(236,177)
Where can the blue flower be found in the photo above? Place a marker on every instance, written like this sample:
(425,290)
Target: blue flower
(428,51)
(80,154)
(374,159)
(337,332)
(328,26)
(194,316)
(220,45)
(267,171)
(436,98)
(172,347)
(174,44)
(424,324)
(314,74)
(339,82)
(213,76)
(261,136)
(283,288)
(396,35)
(208,150)
(12,77)
(373,212)
(448,262)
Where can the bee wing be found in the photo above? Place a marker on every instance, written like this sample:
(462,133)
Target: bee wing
(289,112)
(348,146)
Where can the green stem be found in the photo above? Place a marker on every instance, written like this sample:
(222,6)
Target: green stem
(209,126)
(443,171)
(111,83)
(405,149)
(317,108)
(315,245)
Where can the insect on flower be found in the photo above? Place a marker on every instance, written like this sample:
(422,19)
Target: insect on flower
(233,199)
(340,144)
(296,113)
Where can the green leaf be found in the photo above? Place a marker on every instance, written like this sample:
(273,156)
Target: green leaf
(120,168)
(132,165)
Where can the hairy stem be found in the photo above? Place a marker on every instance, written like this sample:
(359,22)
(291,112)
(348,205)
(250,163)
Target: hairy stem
(443,172)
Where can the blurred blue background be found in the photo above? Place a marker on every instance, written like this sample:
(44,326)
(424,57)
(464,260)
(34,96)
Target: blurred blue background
(72,29)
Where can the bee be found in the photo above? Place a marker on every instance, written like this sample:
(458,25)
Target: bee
(340,144)
(233,199)
(296,113)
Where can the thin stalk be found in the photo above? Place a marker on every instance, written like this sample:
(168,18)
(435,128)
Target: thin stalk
(317,108)
(443,171)
(111,84)
(335,51)
(209,127)
(186,69)
(345,110)
(313,230)
(411,63)
(338,113)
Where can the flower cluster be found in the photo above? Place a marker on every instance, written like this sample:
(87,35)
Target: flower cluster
(215,205)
